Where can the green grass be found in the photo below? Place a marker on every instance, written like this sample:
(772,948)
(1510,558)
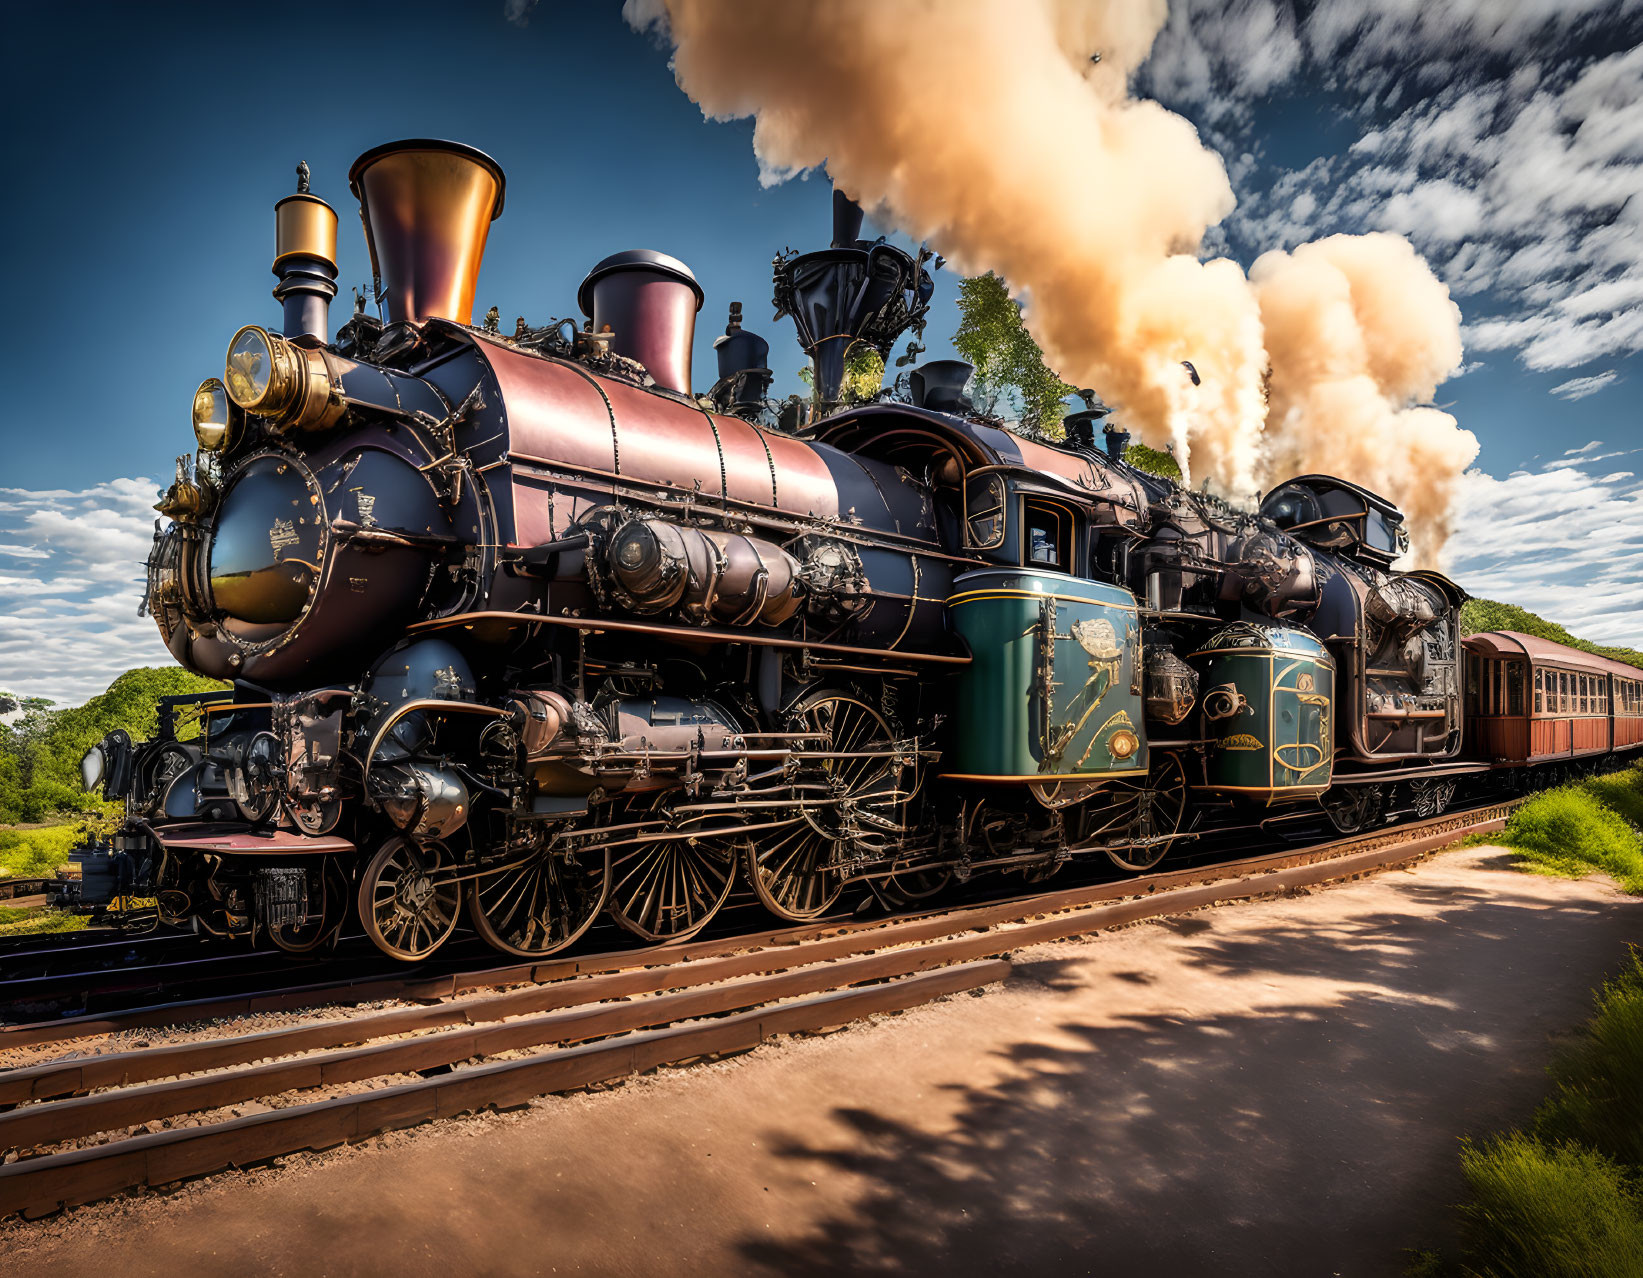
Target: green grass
(1565,1197)
(1542,1210)
(1621,791)
(36,850)
(1597,1095)
(1580,828)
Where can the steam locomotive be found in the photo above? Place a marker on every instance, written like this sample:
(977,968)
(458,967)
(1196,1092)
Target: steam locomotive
(519,628)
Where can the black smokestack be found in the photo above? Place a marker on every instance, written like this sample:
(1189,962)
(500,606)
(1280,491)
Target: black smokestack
(847,217)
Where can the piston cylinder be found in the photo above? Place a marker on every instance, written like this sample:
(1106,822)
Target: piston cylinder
(657,566)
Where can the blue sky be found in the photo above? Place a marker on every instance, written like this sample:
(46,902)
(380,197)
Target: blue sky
(149,143)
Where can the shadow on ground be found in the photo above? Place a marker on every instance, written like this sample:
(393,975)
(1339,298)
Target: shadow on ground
(1315,1137)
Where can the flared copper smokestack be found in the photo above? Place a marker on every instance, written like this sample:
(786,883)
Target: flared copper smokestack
(427,207)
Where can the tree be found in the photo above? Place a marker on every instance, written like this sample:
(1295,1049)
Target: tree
(863,375)
(1155,461)
(40,753)
(1010,367)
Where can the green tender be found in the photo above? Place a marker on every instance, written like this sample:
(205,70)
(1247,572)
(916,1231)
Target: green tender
(1266,696)
(1086,718)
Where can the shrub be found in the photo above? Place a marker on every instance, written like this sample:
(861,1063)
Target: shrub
(40,922)
(1621,791)
(1597,1093)
(1549,1210)
(1571,831)
(24,853)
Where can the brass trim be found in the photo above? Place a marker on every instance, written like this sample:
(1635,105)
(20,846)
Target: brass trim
(302,393)
(453,707)
(1269,789)
(1049,777)
(304,226)
(970,596)
(470,619)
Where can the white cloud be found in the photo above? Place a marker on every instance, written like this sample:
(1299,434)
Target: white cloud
(71,578)
(1565,542)
(1580,387)
(1521,180)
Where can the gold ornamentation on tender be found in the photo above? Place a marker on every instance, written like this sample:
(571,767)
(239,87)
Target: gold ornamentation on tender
(1097,637)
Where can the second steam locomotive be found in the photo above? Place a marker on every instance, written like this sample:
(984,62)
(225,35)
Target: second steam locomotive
(522,630)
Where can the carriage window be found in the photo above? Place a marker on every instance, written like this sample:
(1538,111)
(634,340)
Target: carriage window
(1514,688)
(1540,691)
(1046,535)
(1563,692)
(1583,702)
(1472,686)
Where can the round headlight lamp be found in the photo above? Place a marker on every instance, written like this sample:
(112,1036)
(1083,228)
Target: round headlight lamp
(255,373)
(93,768)
(290,386)
(216,417)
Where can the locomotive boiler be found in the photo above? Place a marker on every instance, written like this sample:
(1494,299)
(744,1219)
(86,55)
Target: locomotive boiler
(522,630)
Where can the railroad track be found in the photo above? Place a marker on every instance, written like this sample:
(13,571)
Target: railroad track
(93,1125)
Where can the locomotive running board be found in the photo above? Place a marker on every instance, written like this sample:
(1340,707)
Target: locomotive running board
(228,839)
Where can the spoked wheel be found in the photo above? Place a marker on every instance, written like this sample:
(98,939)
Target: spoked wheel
(409,897)
(668,889)
(1351,808)
(313,932)
(797,870)
(1136,821)
(538,901)
(908,884)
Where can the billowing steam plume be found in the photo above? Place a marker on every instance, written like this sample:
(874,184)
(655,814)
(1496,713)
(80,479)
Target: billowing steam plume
(1002,131)
(1358,328)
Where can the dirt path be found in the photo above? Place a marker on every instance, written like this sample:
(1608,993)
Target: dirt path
(1264,1089)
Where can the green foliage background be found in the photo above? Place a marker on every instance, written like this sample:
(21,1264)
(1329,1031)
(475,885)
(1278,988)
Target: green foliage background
(1010,367)
(40,754)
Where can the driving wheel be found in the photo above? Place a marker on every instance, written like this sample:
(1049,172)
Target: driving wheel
(409,897)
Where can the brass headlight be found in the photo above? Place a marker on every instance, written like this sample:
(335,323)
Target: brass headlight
(216,417)
(251,371)
(290,386)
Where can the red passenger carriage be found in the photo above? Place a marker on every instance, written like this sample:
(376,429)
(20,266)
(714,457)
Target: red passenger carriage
(1532,701)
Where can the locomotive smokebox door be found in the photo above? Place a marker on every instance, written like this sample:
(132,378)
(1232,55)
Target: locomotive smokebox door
(1266,705)
(1054,687)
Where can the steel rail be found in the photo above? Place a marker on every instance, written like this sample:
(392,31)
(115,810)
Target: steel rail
(447,985)
(962,947)
(34,1187)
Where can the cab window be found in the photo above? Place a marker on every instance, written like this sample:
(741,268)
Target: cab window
(1046,535)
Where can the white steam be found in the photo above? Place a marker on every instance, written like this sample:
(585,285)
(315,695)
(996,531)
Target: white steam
(991,129)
